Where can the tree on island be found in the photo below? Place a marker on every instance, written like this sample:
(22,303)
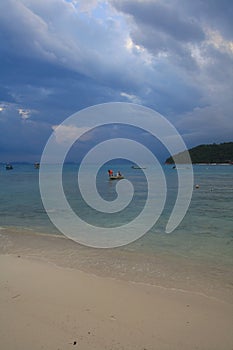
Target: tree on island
(213,153)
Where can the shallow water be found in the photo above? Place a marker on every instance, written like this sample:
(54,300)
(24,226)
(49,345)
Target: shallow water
(197,253)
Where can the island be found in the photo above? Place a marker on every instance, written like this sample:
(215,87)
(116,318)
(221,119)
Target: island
(206,154)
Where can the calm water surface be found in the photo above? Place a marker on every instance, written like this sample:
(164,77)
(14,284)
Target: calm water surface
(204,239)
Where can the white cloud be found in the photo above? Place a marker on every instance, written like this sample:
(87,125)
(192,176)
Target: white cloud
(70,133)
(131,98)
(219,42)
(2,107)
(86,5)
(24,113)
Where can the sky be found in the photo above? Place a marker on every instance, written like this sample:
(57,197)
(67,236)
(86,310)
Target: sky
(58,57)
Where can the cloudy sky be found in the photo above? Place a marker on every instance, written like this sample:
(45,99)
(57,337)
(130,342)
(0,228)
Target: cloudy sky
(59,56)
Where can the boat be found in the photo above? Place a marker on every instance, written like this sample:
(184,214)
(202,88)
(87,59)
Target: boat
(116,177)
(9,167)
(137,167)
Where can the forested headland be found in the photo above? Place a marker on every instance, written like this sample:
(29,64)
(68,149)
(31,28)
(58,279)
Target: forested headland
(211,153)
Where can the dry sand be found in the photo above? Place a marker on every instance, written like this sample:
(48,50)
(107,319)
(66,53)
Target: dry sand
(43,306)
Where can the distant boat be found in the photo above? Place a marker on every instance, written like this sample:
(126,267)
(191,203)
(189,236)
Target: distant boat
(116,177)
(9,167)
(137,167)
(36,165)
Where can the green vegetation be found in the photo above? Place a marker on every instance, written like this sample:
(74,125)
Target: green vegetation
(215,153)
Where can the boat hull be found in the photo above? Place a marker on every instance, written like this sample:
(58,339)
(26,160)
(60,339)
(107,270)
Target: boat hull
(116,178)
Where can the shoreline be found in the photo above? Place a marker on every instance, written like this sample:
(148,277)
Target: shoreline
(56,294)
(44,306)
(161,269)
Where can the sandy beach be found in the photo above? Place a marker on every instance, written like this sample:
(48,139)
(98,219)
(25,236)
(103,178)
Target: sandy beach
(44,306)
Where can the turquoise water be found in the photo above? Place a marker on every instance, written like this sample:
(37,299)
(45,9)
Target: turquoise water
(197,255)
(206,231)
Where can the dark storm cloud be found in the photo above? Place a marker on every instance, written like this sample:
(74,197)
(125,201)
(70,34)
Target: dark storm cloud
(20,136)
(193,40)
(163,28)
(59,56)
(162,17)
(54,90)
(217,13)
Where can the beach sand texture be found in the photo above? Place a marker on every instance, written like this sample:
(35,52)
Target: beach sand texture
(44,306)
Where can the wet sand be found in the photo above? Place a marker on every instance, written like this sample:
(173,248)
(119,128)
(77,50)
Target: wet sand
(44,306)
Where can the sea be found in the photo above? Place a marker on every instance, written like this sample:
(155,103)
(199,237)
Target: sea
(197,256)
